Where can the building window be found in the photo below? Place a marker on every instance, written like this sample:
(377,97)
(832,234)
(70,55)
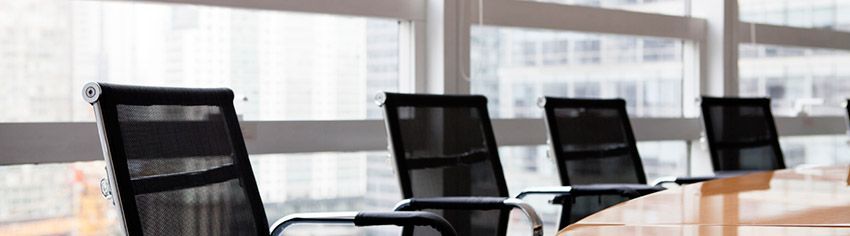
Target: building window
(555,52)
(587,51)
(652,88)
(666,7)
(281,65)
(826,14)
(808,80)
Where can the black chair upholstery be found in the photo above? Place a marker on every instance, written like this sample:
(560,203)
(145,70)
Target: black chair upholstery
(594,147)
(446,156)
(179,166)
(741,134)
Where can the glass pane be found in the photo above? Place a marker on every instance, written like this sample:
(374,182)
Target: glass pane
(816,150)
(830,14)
(56,199)
(667,7)
(815,81)
(281,65)
(323,182)
(65,198)
(515,66)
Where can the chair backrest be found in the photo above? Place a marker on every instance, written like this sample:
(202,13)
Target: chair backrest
(443,145)
(741,134)
(177,161)
(592,141)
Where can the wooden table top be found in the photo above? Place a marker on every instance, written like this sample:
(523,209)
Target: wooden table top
(704,230)
(804,199)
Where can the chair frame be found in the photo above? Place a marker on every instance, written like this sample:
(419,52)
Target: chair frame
(390,101)
(423,100)
(549,105)
(105,102)
(565,193)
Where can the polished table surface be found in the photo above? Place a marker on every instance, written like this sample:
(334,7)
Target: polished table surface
(815,200)
(705,230)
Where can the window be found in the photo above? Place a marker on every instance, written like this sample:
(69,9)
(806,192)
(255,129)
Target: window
(667,7)
(829,14)
(588,65)
(815,150)
(55,199)
(274,61)
(660,50)
(555,52)
(815,81)
(587,51)
(322,182)
(65,198)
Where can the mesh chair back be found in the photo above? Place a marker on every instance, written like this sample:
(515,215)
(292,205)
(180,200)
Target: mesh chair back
(592,141)
(178,161)
(443,146)
(741,134)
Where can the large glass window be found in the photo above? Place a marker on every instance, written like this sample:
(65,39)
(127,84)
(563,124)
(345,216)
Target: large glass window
(65,198)
(55,199)
(814,81)
(667,7)
(830,14)
(515,66)
(820,150)
(281,65)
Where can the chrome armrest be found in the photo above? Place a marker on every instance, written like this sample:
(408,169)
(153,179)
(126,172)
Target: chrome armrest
(312,218)
(474,203)
(551,190)
(403,219)
(664,180)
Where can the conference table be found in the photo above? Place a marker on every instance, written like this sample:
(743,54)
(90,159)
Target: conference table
(800,201)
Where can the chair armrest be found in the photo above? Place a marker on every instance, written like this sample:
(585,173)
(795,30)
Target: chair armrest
(550,190)
(696,179)
(366,219)
(625,190)
(682,180)
(474,203)
(405,218)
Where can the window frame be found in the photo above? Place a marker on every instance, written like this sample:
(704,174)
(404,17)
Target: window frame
(434,57)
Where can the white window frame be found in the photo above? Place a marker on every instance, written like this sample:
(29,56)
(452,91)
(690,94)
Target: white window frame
(434,54)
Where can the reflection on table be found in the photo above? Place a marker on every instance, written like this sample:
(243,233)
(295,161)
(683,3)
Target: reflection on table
(704,230)
(805,197)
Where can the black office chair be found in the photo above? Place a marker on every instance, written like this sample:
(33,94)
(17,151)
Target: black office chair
(177,165)
(596,153)
(447,160)
(741,134)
